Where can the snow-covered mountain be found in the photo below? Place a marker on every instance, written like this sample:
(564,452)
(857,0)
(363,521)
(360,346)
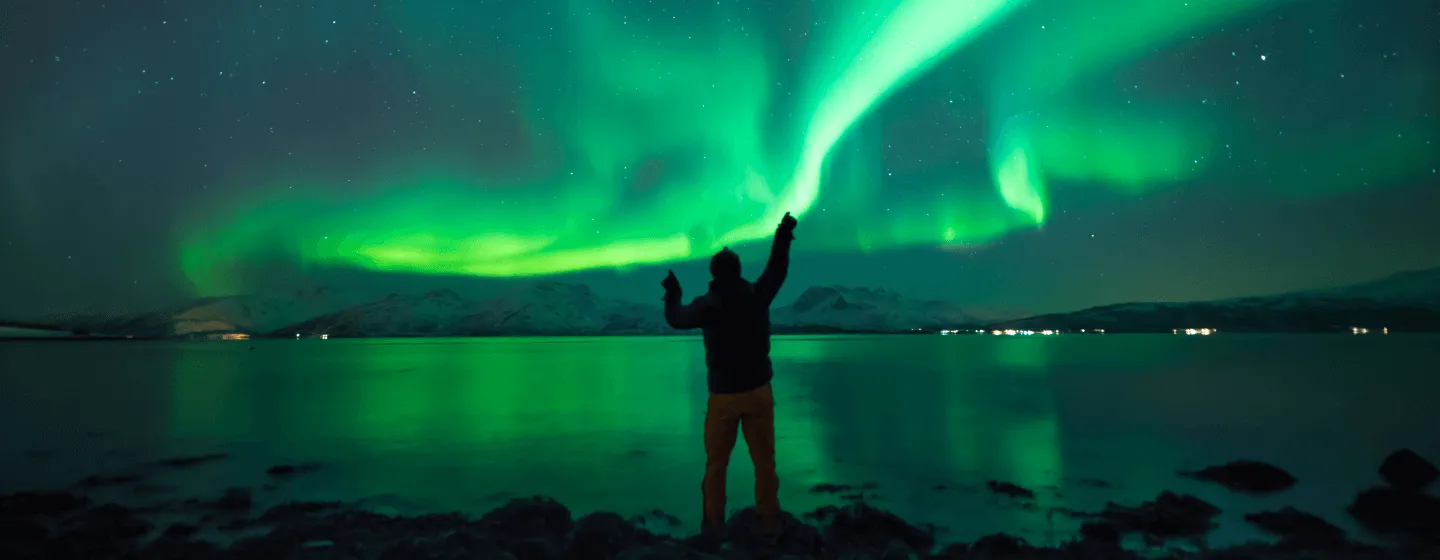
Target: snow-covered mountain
(540,308)
(1416,288)
(866,309)
(1404,302)
(241,313)
(1408,301)
(535,308)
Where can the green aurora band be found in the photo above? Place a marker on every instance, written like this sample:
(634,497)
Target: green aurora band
(662,142)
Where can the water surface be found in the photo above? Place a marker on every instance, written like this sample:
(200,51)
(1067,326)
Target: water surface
(615,423)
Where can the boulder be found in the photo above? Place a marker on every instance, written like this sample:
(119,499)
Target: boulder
(743,530)
(291,511)
(181,530)
(1250,477)
(104,525)
(1008,489)
(604,534)
(535,549)
(1100,532)
(998,545)
(1297,526)
(1407,470)
(871,530)
(98,480)
(191,461)
(1396,511)
(50,504)
(1169,515)
(537,517)
(233,500)
(285,471)
(663,550)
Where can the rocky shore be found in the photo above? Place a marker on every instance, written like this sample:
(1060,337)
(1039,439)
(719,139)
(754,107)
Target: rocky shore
(1402,521)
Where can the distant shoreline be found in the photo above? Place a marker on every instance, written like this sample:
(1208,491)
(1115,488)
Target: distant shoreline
(676,334)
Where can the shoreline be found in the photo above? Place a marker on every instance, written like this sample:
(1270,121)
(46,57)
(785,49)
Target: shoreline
(71,523)
(690,335)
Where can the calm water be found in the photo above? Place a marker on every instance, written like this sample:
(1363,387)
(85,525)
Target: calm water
(614,423)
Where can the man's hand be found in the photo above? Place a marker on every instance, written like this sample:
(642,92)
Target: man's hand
(787,225)
(671,284)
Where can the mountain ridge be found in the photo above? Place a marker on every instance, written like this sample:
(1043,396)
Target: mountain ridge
(537,308)
(1405,301)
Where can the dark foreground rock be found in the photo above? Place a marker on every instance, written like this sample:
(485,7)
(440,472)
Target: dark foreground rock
(57,525)
(1010,489)
(1407,470)
(286,471)
(1249,477)
(1297,526)
(191,460)
(1394,511)
(1168,516)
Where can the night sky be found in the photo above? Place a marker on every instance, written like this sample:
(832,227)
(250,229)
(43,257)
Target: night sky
(1042,156)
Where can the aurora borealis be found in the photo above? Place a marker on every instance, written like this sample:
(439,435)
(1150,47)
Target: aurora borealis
(1127,146)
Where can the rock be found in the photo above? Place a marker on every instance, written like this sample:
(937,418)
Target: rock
(1406,470)
(50,504)
(704,542)
(526,518)
(290,511)
(656,515)
(1008,489)
(822,513)
(954,551)
(1250,477)
(898,550)
(471,544)
(233,500)
(868,529)
(1168,516)
(1391,510)
(1295,525)
(96,481)
(604,534)
(181,530)
(796,538)
(535,549)
(175,548)
(191,461)
(1100,532)
(283,471)
(828,488)
(998,545)
(150,489)
(408,549)
(105,524)
(23,530)
(667,550)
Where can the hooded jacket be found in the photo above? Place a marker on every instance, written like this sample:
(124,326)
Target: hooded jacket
(735,318)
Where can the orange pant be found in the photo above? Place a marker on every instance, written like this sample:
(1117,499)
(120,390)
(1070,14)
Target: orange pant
(754,411)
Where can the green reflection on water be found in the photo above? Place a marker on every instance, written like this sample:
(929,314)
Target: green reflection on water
(543,414)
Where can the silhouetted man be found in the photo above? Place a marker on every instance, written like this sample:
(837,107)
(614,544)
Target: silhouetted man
(735,316)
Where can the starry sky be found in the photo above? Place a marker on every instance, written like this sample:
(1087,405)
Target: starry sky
(1039,155)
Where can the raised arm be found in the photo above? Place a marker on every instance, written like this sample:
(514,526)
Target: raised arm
(770,281)
(677,314)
